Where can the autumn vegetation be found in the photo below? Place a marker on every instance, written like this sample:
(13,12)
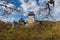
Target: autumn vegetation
(44,30)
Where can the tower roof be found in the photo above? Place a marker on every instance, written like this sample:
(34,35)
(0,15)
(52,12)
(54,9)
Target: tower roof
(21,20)
(31,14)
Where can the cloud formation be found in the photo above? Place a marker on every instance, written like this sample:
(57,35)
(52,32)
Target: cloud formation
(32,5)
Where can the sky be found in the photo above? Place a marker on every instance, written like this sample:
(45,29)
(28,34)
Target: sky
(28,6)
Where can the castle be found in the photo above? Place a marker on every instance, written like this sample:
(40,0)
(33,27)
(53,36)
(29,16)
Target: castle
(31,17)
(30,21)
(21,22)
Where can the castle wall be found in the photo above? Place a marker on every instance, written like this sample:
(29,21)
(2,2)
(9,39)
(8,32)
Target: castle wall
(31,19)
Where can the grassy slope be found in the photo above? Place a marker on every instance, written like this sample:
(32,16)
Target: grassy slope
(45,30)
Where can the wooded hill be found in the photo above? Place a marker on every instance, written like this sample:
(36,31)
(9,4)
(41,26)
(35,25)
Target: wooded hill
(43,30)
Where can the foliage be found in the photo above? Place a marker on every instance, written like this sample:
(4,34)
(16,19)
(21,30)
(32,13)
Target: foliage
(44,31)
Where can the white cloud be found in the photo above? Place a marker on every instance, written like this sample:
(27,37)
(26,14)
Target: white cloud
(32,6)
(57,10)
(8,19)
(29,6)
(2,2)
(10,5)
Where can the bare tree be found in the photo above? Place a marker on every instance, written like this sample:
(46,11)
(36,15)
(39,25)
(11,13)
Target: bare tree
(49,9)
(8,10)
(11,9)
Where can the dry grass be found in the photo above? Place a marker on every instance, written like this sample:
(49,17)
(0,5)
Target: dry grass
(43,30)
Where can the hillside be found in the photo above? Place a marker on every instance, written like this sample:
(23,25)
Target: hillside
(43,30)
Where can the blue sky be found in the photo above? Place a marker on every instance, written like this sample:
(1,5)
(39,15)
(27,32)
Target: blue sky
(35,4)
(16,3)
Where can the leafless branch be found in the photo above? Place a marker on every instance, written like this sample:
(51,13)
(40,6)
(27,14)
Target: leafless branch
(11,8)
(49,9)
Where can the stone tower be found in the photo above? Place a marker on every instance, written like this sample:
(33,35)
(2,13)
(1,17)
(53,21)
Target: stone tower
(31,16)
